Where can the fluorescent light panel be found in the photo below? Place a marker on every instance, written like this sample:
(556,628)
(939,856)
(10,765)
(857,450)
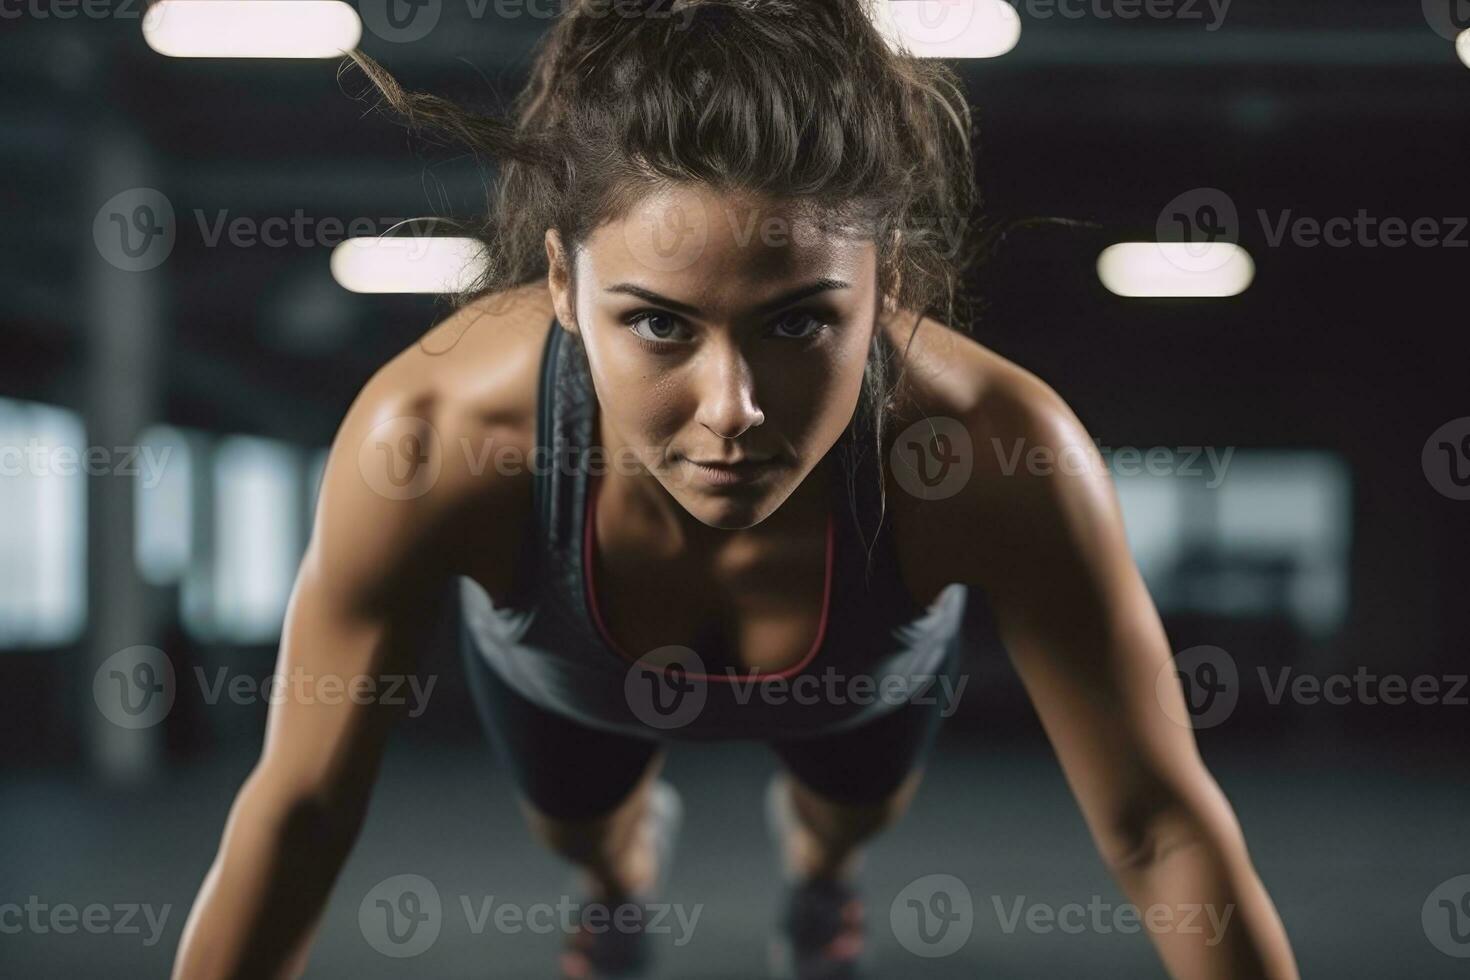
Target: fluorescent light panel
(407,264)
(251,28)
(949,28)
(1175,269)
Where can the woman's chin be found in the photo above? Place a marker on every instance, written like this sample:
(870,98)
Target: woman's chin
(725,513)
(729,515)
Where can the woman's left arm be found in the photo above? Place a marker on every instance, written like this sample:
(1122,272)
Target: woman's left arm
(1086,640)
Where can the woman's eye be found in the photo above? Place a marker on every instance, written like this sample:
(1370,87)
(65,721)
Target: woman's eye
(655,328)
(660,321)
(802,320)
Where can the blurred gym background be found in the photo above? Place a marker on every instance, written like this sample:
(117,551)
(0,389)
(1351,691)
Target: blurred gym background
(1292,455)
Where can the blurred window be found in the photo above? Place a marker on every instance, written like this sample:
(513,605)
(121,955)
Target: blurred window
(1260,532)
(163,505)
(258,539)
(43,519)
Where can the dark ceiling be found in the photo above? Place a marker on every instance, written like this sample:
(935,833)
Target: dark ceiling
(1320,108)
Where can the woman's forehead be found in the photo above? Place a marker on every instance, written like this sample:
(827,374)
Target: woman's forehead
(698,237)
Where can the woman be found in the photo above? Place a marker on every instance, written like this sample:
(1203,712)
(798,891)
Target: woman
(701,433)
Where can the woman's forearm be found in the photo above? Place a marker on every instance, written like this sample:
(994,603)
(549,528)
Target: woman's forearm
(1204,907)
(260,903)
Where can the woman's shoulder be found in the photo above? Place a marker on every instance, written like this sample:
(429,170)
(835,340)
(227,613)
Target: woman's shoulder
(448,426)
(477,370)
(952,379)
(968,428)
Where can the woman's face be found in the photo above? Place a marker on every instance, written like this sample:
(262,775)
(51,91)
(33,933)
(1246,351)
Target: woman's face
(719,328)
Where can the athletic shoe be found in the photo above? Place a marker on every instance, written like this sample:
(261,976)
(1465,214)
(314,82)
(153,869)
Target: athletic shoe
(819,932)
(607,949)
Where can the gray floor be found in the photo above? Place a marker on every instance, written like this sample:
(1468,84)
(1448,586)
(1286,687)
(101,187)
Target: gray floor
(1350,844)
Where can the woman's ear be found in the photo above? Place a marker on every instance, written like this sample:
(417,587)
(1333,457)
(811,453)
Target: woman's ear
(559,280)
(890,296)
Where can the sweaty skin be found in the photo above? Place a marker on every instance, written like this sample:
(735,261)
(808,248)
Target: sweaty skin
(421,484)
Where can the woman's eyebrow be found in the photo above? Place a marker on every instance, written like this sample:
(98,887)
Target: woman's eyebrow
(785,299)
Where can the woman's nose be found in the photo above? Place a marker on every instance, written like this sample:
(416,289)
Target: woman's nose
(727,402)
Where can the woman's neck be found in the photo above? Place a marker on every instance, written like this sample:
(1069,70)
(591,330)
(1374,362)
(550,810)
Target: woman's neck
(639,502)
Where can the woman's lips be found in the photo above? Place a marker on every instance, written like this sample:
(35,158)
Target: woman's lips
(727,475)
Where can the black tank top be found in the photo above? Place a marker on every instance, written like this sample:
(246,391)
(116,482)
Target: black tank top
(875,648)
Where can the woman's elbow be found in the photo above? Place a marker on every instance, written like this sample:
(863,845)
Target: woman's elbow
(1146,830)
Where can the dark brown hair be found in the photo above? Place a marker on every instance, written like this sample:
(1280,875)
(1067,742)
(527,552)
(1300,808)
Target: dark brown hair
(801,100)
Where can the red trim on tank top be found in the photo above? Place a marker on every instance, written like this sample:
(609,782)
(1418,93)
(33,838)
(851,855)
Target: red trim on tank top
(589,543)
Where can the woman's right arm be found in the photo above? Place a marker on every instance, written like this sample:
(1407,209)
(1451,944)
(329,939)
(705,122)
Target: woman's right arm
(367,586)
